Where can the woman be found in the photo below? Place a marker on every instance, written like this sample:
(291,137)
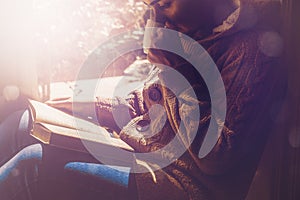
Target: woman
(236,37)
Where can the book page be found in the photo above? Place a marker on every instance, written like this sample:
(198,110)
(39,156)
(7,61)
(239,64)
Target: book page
(46,114)
(78,134)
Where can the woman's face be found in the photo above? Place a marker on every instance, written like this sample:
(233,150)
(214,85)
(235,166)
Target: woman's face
(184,15)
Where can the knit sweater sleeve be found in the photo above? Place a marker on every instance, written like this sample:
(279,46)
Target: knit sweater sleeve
(114,113)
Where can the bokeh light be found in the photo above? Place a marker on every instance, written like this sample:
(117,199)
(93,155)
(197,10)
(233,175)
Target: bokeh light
(59,34)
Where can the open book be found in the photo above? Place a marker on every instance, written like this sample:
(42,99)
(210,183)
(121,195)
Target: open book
(54,127)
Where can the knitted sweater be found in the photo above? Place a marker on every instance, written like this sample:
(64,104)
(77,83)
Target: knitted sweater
(246,50)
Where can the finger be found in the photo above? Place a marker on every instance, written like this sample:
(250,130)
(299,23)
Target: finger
(60,99)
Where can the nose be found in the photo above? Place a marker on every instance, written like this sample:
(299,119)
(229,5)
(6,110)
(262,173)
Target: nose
(151,2)
(157,15)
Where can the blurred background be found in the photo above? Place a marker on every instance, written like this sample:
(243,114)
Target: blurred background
(46,41)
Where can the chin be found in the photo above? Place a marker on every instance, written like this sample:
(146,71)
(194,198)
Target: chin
(179,28)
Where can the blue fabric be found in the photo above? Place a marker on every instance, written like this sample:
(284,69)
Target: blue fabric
(25,122)
(33,152)
(114,174)
(14,135)
(33,171)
